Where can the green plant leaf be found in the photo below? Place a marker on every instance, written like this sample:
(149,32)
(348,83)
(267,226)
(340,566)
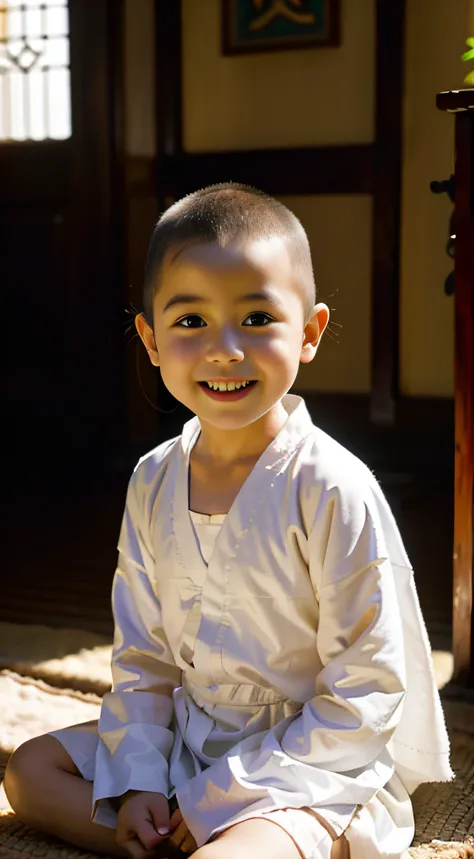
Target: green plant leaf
(468,55)
(470,41)
(469,79)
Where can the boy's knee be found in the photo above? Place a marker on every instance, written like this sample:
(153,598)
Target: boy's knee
(28,769)
(20,771)
(15,773)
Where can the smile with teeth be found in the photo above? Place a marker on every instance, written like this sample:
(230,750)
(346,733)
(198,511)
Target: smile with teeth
(226,386)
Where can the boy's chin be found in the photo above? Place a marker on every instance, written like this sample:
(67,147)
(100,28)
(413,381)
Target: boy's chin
(225,421)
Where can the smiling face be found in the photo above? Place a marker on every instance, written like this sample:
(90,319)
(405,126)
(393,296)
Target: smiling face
(231,313)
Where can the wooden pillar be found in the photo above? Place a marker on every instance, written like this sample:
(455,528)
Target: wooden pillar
(461,103)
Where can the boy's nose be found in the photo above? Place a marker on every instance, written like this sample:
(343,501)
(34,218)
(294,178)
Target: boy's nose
(225,346)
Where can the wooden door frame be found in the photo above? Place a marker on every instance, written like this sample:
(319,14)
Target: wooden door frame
(99,154)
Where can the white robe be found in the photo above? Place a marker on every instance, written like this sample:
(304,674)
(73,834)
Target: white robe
(292,670)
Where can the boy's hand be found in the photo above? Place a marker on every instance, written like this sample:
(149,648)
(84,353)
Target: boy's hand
(143,822)
(181,837)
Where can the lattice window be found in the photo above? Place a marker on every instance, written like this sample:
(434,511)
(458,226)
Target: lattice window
(35,98)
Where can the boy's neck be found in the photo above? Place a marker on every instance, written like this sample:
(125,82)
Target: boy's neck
(220,447)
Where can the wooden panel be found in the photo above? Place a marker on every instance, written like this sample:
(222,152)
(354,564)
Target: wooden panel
(37,321)
(142,214)
(168,77)
(386,211)
(34,172)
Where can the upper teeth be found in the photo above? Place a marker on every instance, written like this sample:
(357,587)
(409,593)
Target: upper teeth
(227,386)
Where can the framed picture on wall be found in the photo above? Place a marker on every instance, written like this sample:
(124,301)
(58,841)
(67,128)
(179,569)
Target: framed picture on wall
(251,26)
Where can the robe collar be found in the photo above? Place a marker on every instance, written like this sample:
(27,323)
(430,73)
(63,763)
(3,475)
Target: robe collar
(297,426)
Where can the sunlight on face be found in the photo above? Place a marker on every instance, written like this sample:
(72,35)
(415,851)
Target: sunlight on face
(229,312)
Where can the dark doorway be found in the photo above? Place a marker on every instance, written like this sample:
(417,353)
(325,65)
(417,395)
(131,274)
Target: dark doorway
(60,227)
(62,272)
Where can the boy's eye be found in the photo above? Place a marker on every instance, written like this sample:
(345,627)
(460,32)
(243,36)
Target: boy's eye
(193,316)
(260,316)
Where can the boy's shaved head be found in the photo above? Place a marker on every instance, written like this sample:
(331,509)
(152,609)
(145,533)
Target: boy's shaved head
(225,214)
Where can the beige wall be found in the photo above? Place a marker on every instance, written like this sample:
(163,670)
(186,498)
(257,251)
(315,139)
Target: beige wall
(139,78)
(339,230)
(290,98)
(436,31)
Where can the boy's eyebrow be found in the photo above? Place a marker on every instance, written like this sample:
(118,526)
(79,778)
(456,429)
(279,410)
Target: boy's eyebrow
(184,298)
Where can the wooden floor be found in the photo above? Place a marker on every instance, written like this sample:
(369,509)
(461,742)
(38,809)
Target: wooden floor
(61,556)
(61,550)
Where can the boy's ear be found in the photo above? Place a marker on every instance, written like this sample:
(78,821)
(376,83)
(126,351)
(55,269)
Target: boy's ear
(314,330)
(147,337)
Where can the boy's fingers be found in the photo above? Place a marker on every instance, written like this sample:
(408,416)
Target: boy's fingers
(148,835)
(189,845)
(176,818)
(182,839)
(160,821)
(179,834)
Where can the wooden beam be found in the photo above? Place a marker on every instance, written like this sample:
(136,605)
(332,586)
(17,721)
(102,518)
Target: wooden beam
(168,77)
(97,276)
(304,170)
(386,208)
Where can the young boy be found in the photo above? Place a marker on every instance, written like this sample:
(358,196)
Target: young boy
(270,662)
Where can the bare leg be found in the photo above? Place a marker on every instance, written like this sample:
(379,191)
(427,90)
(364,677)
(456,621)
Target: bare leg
(46,790)
(252,839)
(259,838)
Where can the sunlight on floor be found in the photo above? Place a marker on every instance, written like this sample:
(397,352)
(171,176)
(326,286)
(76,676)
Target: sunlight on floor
(443,667)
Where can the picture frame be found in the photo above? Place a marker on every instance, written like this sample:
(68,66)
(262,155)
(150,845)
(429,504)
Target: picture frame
(253,26)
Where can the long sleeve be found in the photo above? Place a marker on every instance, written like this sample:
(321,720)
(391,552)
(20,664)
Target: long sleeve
(135,738)
(333,752)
